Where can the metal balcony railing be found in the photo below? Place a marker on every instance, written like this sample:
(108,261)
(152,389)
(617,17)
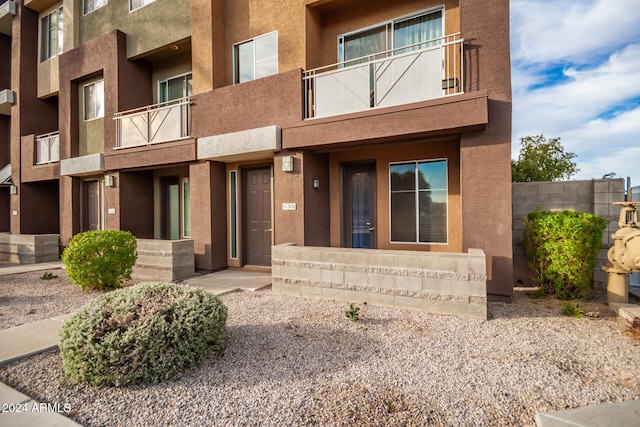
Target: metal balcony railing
(47,148)
(412,73)
(154,124)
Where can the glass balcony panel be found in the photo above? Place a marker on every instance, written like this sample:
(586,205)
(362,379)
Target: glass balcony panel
(165,122)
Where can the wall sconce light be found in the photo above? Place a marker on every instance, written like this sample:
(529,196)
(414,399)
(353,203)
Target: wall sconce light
(316,183)
(13,189)
(108,180)
(287,164)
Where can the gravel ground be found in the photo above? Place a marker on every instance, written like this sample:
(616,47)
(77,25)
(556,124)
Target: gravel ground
(292,361)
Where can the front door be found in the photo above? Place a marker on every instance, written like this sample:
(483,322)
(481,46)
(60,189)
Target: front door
(359,205)
(91,205)
(257,216)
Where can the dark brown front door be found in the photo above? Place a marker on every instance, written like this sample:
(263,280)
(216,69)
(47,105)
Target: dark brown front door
(91,205)
(257,216)
(359,205)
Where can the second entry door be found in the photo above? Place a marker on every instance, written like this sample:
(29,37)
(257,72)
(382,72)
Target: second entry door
(257,216)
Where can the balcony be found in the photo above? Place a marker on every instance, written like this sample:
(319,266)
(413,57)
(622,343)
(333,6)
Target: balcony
(413,73)
(7,12)
(154,124)
(47,148)
(7,99)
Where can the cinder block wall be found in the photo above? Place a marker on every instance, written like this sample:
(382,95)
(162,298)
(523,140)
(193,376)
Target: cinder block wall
(592,196)
(29,248)
(165,260)
(434,282)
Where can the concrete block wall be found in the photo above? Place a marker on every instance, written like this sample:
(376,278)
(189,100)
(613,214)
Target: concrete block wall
(590,196)
(29,248)
(434,282)
(164,260)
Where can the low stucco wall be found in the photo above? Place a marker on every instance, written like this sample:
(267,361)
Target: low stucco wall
(434,282)
(165,260)
(29,248)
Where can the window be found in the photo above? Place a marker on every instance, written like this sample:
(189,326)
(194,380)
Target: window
(94,100)
(419,202)
(89,6)
(51,34)
(413,31)
(137,4)
(255,58)
(175,88)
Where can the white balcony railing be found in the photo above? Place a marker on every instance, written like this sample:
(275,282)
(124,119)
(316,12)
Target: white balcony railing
(47,148)
(413,73)
(154,124)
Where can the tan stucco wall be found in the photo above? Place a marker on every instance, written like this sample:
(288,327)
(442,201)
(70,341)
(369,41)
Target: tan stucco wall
(158,24)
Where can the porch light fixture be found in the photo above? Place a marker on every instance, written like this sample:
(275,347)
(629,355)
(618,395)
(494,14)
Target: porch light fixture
(108,180)
(13,189)
(287,164)
(316,184)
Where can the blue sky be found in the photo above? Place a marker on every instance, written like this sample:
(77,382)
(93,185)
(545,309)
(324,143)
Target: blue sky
(576,75)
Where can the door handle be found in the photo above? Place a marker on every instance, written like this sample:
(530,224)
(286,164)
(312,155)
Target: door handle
(371,228)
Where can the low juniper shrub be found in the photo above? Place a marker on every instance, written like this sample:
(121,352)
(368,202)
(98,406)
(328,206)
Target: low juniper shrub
(143,333)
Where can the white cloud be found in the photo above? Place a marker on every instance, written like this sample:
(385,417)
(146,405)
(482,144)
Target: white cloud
(593,105)
(555,30)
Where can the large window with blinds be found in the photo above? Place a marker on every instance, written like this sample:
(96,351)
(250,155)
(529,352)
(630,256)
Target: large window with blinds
(399,35)
(419,201)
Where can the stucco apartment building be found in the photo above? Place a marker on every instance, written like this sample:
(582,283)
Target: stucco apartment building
(246,124)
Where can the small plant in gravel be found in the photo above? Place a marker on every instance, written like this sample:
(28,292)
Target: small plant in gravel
(48,276)
(144,333)
(100,259)
(353,313)
(634,329)
(572,310)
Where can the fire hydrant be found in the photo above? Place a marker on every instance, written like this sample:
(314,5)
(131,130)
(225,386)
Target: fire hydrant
(624,255)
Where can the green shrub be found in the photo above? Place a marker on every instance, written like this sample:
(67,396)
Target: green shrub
(101,259)
(563,246)
(144,333)
(572,310)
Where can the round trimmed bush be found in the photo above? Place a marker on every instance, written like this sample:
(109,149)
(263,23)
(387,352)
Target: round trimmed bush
(144,333)
(100,259)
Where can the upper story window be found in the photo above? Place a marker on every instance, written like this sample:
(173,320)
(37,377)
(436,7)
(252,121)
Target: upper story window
(89,6)
(51,34)
(255,58)
(137,4)
(175,88)
(93,100)
(413,31)
(419,201)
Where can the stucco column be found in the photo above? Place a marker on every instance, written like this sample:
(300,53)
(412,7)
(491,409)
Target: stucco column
(69,208)
(485,156)
(207,44)
(288,200)
(207,182)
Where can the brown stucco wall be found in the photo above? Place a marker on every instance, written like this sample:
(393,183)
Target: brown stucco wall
(5,66)
(208,214)
(316,201)
(151,155)
(436,117)
(5,141)
(5,211)
(40,216)
(486,156)
(208,45)
(274,100)
(29,115)
(135,190)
